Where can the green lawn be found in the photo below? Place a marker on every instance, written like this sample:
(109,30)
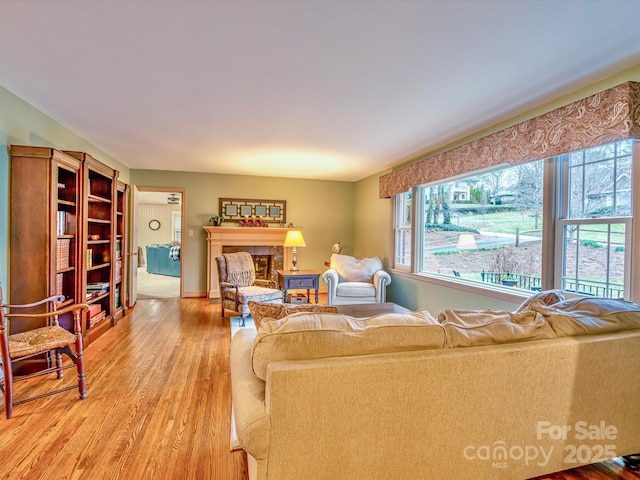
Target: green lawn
(508,222)
(501,222)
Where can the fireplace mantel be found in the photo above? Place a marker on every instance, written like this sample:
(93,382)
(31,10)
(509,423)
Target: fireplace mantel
(219,237)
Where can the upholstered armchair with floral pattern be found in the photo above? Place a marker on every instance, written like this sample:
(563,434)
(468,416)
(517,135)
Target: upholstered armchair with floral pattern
(238,284)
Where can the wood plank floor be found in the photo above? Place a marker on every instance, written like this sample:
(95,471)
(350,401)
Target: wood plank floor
(158,407)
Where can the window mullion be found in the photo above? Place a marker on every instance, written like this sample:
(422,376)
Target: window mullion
(555,204)
(417,221)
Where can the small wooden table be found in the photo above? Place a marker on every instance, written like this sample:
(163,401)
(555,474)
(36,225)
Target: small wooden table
(300,279)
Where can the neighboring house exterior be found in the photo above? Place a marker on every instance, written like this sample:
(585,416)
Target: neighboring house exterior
(602,197)
(503,197)
(460,192)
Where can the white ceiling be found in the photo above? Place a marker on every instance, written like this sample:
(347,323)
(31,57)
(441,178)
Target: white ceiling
(157,197)
(312,89)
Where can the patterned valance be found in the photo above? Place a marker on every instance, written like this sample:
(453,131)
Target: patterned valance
(601,118)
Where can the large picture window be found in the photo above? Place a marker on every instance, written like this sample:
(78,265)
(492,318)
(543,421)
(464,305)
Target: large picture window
(486,228)
(490,228)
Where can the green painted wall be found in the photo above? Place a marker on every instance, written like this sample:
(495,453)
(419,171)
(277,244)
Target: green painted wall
(373,218)
(22,124)
(323,209)
(327,211)
(371,221)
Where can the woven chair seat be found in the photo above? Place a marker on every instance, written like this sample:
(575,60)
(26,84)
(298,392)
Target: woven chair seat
(39,340)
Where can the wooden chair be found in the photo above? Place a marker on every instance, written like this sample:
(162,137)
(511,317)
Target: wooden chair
(50,338)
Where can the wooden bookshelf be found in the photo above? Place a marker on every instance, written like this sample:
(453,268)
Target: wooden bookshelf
(68,225)
(97,285)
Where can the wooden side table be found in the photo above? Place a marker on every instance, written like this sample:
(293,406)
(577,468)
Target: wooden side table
(301,279)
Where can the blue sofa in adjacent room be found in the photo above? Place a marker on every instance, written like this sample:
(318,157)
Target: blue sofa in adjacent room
(163,260)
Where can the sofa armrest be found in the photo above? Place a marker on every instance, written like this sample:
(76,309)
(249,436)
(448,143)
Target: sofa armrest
(331,278)
(248,397)
(380,280)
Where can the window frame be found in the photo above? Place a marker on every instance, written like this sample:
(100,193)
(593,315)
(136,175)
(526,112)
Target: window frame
(553,200)
(400,228)
(176,226)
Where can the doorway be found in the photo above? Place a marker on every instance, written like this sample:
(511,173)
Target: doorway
(158,223)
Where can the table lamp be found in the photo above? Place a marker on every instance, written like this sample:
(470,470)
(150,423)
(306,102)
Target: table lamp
(294,239)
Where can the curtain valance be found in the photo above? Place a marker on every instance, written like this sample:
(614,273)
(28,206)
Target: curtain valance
(608,116)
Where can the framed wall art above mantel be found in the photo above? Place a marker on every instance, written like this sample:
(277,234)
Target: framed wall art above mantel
(237,209)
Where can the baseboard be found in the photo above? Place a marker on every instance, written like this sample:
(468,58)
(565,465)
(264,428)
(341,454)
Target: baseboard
(194,293)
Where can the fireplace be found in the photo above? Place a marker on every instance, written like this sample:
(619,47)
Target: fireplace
(262,243)
(267,259)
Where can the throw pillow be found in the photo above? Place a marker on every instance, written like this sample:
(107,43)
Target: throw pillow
(274,311)
(590,316)
(547,297)
(467,328)
(305,336)
(260,311)
(291,308)
(351,269)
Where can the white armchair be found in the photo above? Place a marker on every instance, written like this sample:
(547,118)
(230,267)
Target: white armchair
(350,280)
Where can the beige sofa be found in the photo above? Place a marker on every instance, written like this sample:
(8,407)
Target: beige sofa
(471,394)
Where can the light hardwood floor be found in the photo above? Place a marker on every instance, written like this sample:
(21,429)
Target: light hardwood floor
(158,407)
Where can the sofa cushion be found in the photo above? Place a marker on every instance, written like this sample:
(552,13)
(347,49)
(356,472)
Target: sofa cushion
(589,316)
(305,336)
(351,269)
(257,294)
(355,289)
(269,311)
(468,328)
(547,297)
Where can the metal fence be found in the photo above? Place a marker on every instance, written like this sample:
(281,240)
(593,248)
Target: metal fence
(531,282)
(526,282)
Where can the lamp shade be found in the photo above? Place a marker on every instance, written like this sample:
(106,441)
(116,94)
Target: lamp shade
(294,239)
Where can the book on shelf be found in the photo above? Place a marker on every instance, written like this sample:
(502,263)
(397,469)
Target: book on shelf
(61,223)
(94,309)
(98,287)
(59,283)
(62,253)
(96,319)
(118,270)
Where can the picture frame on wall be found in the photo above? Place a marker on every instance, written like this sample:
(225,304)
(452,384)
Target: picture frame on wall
(235,209)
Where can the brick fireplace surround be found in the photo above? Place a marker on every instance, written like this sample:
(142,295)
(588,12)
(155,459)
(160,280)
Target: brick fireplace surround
(220,237)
